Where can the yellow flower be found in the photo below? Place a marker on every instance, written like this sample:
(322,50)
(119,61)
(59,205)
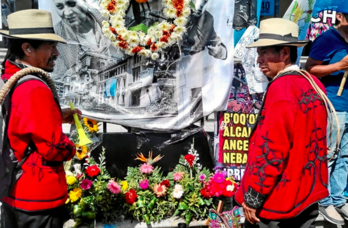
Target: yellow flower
(91,124)
(124,185)
(75,194)
(81,151)
(70,180)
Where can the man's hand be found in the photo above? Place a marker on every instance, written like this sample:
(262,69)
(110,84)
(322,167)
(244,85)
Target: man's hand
(344,63)
(68,115)
(250,214)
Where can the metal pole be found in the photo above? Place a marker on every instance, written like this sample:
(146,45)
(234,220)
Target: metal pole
(104,127)
(277,4)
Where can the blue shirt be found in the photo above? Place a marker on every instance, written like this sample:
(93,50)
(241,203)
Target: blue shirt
(330,47)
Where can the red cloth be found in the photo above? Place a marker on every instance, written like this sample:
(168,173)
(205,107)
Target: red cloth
(287,165)
(36,117)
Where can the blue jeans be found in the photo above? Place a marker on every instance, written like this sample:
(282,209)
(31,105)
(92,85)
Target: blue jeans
(338,165)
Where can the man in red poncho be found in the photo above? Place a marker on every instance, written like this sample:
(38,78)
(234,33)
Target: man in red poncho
(34,129)
(286,172)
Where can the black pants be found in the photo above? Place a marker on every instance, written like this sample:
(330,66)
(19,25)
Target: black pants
(14,218)
(304,220)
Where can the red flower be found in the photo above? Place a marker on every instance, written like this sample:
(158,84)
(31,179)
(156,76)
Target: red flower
(165,183)
(149,42)
(92,170)
(189,158)
(205,193)
(165,33)
(123,44)
(137,49)
(111,7)
(131,196)
(113,30)
(119,37)
(164,39)
(172,29)
(153,47)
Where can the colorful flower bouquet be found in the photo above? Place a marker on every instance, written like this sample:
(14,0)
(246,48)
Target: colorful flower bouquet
(93,194)
(145,194)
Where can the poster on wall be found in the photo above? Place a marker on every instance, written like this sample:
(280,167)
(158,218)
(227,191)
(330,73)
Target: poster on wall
(234,125)
(185,81)
(320,22)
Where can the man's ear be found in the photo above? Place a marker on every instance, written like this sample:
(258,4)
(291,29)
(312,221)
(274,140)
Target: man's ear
(27,49)
(285,54)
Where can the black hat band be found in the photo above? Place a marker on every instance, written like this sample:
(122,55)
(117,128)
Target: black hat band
(287,37)
(25,31)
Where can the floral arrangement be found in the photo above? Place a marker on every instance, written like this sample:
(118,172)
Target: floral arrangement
(93,194)
(145,41)
(145,194)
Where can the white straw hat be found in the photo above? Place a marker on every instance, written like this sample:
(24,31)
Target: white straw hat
(278,32)
(31,24)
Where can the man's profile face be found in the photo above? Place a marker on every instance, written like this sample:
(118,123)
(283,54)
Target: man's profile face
(269,61)
(71,12)
(45,55)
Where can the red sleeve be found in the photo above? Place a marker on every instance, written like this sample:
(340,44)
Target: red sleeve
(39,118)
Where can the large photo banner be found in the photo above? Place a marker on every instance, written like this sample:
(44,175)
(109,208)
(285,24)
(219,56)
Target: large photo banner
(168,90)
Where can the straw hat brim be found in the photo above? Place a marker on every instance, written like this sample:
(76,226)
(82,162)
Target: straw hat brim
(271,42)
(39,36)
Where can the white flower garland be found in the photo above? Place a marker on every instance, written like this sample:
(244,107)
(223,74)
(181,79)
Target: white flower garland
(157,38)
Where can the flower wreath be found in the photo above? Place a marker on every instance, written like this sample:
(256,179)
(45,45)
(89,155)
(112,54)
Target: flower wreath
(149,41)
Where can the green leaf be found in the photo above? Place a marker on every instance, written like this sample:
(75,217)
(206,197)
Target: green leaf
(190,187)
(139,27)
(182,206)
(192,5)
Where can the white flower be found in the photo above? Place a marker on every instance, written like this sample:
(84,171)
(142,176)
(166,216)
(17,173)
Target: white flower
(151,31)
(180,21)
(146,53)
(230,188)
(158,34)
(155,56)
(161,45)
(175,36)
(122,13)
(146,39)
(133,41)
(107,33)
(166,2)
(164,26)
(106,24)
(105,14)
(119,8)
(132,34)
(180,30)
(186,12)
(115,44)
(121,30)
(116,18)
(129,51)
(118,25)
(169,13)
(178,191)
(124,35)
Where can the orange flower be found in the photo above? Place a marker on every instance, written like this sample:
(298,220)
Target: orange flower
(165,33)
(136,49)
(113,30)
(111,7)
(153,47)
(123,44)
(172,29)
(148,160)
(159,190)
(149,42)
(81,152)
(141,1)
(119,37)
(164,39)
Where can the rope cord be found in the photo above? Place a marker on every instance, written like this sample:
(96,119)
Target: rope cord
(31,70)
(328,105)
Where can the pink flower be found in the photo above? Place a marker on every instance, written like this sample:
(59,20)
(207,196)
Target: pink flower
(86,184)
(114,187)
(219,178)
(146,168)
(178,176)
(202,177)
(144,184)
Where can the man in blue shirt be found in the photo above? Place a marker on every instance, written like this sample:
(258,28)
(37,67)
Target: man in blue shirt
(328,60)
